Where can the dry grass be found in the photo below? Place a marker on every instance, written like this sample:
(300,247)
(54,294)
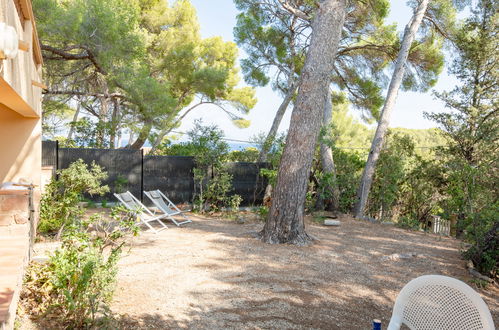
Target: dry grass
(214,274)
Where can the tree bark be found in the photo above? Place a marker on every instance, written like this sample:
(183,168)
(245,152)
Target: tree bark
(75,118)
(285,221)
(262,157)
(103,112)
(114,123)
(398,74)
(143,135)
(327,160)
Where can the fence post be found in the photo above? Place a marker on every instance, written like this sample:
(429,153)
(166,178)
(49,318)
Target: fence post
(142,175)
(56,159)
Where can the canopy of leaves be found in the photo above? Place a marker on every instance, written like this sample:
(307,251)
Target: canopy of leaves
(146,54)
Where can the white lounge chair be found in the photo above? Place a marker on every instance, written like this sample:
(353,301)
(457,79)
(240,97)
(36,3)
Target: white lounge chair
(145,215)
(166,206)
(440,302)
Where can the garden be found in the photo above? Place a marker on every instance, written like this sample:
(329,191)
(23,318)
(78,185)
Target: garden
(345,209)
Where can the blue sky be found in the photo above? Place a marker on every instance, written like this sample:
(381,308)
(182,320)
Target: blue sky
(218,18)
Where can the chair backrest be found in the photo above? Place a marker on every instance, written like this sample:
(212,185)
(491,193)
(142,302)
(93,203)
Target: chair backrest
(160,200)
(131,202)
(440,302)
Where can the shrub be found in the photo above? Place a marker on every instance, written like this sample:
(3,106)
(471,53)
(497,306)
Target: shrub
(408,223)
(389,176)
(75,286)
(249,154)
(212,182)
(483,232)
(59,204)
(349,167)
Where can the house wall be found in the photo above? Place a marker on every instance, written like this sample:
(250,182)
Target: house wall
(20,101)
(20,146)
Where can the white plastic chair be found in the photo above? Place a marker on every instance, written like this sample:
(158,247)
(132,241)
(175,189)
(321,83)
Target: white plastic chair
(166,206)
(145,215)
(435,302)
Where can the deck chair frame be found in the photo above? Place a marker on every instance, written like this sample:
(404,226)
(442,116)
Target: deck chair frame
(167,207)
(145,215)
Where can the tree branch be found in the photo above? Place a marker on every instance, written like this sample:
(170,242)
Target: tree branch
(294,11)
(66,55)
(107,95)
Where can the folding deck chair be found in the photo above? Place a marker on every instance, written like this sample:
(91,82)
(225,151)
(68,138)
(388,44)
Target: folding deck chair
(145,215)
(166,206)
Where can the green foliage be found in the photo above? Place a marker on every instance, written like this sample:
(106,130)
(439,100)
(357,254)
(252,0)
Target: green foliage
(120,183)
(408,223)
(349,167)
(483,231)
(422,191)
(472,132)
(212,182)
(215,196)
(133,64)
(177,149)
(262,212)
(76,285)
(274,149)
(59,204)
(249,154)
(389,176)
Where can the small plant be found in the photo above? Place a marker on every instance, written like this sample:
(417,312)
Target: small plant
(60,203)
(262,211)
(408,223)
(212,182)
(319,218)
(120,184)
(75,286)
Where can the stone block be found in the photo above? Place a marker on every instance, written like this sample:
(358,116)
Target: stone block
(21,218)
(14,203)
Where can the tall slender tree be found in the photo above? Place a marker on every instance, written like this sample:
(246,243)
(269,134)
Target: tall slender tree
(471,129)
(285,223)
(395,84)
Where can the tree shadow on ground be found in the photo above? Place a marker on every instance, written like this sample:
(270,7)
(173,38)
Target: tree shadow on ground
(225,278)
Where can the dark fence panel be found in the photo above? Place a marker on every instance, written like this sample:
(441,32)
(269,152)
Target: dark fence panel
(123,166)
(130,170)
(49,153)
(247,182)
(172,175)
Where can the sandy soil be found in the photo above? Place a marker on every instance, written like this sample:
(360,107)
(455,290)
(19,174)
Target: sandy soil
(214,274)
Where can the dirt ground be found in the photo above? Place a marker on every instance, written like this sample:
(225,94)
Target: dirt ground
(213,274)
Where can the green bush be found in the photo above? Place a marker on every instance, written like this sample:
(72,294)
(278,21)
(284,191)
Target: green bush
(389,176)
(212,182)
(483,232)
(349,166)
(249,154)
(408,223)
(75,286)
(59,204)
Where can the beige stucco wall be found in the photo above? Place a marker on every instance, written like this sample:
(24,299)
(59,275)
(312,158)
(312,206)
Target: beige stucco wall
(20,147)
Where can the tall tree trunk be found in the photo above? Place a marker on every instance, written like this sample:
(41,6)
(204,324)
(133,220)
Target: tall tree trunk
(103,112)
(285,220)
(262,157)
(75,118)
(143,135)
(398,74)
(114,122)
(168,126)
(327,160)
